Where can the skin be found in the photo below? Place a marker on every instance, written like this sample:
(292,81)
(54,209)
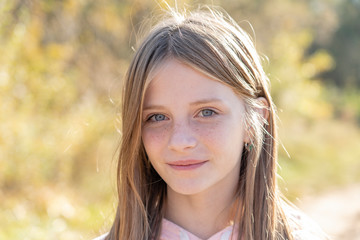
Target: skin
(193,132)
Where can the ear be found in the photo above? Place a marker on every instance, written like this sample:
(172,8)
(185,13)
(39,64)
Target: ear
(263,110)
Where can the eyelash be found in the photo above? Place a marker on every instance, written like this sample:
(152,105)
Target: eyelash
(152,117)
(207,109)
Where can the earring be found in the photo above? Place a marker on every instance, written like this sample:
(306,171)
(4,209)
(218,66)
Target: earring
(248,146)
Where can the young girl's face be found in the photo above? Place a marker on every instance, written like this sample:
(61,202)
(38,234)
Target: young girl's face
(193,130)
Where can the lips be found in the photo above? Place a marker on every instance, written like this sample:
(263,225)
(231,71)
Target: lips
(186,164)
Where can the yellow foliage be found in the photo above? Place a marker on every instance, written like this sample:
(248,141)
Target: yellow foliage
(61,66)
(322,61)
(59,51)
(312,104)
(72,7)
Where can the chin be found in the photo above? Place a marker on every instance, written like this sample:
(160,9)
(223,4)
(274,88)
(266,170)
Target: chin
(187,188)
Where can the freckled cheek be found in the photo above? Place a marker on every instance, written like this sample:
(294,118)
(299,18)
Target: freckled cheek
(212,133)
(220,134)
(154,138)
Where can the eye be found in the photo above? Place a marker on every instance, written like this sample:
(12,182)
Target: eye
(207,113)
(157,118)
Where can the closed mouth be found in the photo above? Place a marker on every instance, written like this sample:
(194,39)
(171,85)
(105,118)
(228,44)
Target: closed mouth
(187,164)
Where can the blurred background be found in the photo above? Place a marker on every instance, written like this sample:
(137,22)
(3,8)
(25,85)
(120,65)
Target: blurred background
(61,70)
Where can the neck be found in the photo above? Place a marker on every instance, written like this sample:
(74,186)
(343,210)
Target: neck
(203,214)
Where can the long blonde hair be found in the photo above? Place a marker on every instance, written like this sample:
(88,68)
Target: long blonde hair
(213,43)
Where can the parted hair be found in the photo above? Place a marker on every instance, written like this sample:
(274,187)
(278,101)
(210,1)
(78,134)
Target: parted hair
(212,42)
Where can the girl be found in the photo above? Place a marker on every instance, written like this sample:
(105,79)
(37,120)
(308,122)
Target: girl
(198,151)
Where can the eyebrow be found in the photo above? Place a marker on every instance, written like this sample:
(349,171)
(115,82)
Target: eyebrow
(207,100)
(199,102)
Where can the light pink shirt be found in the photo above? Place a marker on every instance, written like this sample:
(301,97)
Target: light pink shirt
(302,227)
(171,231)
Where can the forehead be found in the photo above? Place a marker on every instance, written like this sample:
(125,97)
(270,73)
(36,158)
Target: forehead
(174,81)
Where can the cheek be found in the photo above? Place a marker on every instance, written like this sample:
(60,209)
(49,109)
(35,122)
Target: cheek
(211,133)
(225,137)
(154,139)
(214,135)
(220,131)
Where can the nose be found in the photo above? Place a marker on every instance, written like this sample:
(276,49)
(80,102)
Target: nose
(182,138)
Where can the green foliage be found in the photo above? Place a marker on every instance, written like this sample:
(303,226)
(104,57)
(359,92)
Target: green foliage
(345,46)
(61,65)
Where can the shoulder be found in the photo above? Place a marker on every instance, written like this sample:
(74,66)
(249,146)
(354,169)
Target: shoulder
(303,227)
(102,237)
